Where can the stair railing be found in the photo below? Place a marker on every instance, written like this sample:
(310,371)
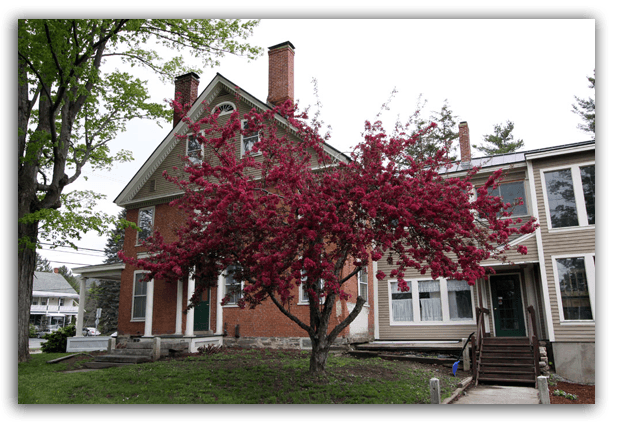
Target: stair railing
(533,335)
(476,341)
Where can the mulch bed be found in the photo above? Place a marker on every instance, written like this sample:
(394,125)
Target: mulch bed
(585,393)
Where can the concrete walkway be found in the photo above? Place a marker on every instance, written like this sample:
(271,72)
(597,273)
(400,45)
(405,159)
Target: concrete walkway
(499,395)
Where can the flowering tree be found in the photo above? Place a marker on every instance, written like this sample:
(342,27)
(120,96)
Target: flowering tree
(296,215)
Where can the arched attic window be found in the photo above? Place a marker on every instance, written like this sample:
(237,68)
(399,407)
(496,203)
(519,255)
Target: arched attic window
(224,108)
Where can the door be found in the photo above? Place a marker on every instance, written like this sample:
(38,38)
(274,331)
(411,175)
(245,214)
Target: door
(507,305)
(201,312)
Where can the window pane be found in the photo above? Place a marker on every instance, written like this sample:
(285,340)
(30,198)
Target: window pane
(145,222)
(562,207)
(139,296)
(459,300)
(430,301)
(512,191)
(249,140)
(193,148)
(233,287)
(587,181)
(402,308)
(363,284)
(574,289)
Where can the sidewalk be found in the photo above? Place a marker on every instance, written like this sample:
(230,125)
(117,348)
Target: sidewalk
(499,395)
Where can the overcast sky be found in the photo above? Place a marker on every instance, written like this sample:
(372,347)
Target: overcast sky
(489,70)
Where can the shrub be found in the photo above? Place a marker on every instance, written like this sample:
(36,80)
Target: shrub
(57,341)
(32,331)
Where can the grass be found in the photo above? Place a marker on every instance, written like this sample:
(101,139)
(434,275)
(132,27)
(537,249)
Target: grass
(232,376)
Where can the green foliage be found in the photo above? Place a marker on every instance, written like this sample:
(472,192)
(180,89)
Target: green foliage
(586,109)
(501,141)
(32,330)
(43,265)
(57,341)
(564,394)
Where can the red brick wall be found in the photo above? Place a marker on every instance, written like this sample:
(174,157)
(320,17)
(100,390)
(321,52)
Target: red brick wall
(264,321)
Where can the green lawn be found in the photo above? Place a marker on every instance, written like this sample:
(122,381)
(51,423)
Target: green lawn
(233,376)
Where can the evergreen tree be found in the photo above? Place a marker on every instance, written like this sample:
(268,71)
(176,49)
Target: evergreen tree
(585,108)
(42,264)
(72,280)
(106,293)
(440,137)
(501,141)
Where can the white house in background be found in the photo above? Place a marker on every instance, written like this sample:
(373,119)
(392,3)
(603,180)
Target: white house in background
(54,301)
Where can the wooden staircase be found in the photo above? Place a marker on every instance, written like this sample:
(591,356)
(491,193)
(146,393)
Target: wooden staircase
(506,360)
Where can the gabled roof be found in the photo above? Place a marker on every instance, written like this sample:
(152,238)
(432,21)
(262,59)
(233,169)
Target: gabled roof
(52,284)
(217,84)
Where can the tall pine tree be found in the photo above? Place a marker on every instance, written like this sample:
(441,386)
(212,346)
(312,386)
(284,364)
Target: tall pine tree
(585,108)
(106,293)
(501,141)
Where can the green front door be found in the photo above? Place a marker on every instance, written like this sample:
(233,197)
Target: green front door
(507,305)
(201,313)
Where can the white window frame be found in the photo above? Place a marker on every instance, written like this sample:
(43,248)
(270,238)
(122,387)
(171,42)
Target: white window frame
(359,284)
(242,137)
(415,303)
(226,112)
(197,159)
(591,279)
(231,304)
(133,297)
(138,240)
(306,302)
(582,214)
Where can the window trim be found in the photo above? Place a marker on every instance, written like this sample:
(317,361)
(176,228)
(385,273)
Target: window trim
(359,289)
(133,296)
(138,240)
(198,159)
(241,136)
(526,199)
(582,214)
(224,103)
(591,279)
(242,284)
(415,303)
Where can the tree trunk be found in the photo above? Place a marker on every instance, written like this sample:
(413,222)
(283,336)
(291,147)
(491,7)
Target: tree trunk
(318,358)
(26,265)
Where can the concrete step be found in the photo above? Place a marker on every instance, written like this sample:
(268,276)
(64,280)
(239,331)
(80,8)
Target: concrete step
(117,358)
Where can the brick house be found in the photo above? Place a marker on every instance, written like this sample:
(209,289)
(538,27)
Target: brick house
(157,308)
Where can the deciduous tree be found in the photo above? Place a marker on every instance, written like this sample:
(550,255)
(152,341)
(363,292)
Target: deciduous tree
(281,219)
(70,106)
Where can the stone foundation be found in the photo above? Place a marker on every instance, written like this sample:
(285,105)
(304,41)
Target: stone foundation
(282,342)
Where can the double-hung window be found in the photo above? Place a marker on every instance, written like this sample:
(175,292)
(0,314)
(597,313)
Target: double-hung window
(248,141)
(304,297)
(569,195)
(145,223)
(362,283)
(138,309)
(431,301)
(194,149)
(234,287)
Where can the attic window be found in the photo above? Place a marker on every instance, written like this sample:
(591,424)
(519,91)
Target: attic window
(224,108)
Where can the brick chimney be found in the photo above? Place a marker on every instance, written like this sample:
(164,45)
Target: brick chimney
(187,86)
(281,73)
(464,142)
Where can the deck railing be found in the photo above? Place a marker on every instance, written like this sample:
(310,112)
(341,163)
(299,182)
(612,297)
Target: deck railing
(476,341)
